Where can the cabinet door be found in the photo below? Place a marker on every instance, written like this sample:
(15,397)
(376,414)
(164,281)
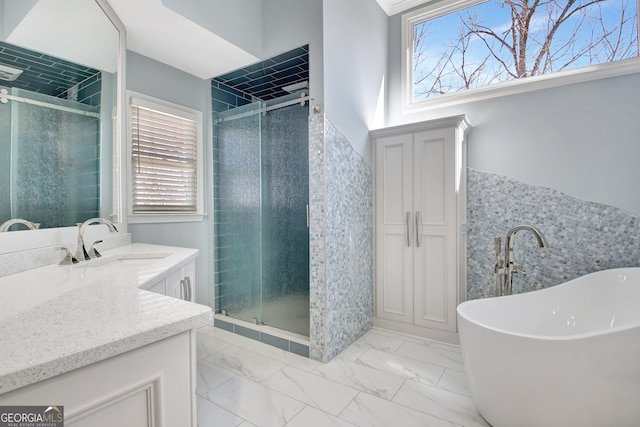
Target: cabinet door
(189,274)
(149,386)
(159,288)
(174,284)
(434,199)
(394,232)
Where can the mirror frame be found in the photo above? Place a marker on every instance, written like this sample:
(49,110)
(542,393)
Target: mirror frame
(34,239)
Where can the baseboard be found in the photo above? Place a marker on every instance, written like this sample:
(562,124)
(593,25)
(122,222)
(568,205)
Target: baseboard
(417,331)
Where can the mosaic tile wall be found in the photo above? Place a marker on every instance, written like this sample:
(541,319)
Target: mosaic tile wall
(341,240)
(583,237)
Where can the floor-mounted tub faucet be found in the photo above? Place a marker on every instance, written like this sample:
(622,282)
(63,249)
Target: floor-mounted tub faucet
(81,250)
(504,270)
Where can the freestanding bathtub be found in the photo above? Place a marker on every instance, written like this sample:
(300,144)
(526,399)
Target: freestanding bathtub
(563,356)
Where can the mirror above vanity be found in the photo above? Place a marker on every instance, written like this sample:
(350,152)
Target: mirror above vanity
(60,100)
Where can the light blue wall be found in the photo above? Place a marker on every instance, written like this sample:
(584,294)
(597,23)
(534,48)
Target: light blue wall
(289,24)
(13,12)
(355,62)
(580,139)
(347,53)
(153,78)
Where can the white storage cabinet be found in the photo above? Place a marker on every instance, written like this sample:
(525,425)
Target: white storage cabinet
(420,220)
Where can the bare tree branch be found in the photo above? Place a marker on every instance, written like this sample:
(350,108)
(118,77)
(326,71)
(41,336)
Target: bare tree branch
(538,37)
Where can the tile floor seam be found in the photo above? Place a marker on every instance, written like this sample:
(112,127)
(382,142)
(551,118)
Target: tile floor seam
(297,413)
(219,385)
(396,392)
(339,416)
(440,377)
(426,413)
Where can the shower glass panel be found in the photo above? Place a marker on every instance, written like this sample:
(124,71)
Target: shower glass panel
(262,237)
(51,159)
(237,214)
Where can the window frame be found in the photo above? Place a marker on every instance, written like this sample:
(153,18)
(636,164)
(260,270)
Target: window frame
(511,87)
(166,107)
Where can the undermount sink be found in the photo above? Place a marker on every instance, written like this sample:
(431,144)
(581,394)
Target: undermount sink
(124,260)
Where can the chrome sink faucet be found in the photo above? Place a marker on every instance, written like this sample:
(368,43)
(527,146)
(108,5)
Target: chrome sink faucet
(504,270)
(81,250)
(30,225)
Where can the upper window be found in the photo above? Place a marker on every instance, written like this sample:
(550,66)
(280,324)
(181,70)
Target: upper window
(469,44)
(166,165)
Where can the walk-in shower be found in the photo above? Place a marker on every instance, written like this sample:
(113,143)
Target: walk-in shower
(261,213)
(49,158)
(56,139)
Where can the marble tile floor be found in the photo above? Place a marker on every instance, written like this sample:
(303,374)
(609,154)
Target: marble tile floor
(383,379)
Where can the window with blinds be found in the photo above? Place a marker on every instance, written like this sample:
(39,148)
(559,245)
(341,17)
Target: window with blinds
(164,159)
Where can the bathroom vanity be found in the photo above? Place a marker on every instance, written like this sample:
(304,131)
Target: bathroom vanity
(103,338)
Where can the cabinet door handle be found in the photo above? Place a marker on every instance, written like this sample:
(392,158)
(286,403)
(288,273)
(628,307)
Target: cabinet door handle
(417,229)
(183,285)
(408,230)
(187,283)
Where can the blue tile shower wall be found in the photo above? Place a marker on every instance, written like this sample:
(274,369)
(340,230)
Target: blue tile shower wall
(225,97)
(265,80)
(583,236)
(44,73)
(341,240)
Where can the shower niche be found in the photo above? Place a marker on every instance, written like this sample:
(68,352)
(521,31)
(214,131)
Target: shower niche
(261,193)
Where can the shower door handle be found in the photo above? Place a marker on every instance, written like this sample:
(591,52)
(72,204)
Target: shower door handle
(417,229)
(408,221)
(307,215)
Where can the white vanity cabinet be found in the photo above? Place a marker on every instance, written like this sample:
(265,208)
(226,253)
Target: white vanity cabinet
(178,283)
(87,337)
(420,219)
(151,386)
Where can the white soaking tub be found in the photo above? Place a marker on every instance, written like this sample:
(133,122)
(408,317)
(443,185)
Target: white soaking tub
(563,356)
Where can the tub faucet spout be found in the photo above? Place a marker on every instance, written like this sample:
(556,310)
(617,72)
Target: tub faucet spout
(506,270)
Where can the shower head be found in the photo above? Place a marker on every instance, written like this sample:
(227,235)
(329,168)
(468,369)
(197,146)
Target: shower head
(296,86)
(9,73)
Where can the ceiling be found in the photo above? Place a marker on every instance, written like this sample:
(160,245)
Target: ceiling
(91,41)
(391,7)
(155,31)
(161,33)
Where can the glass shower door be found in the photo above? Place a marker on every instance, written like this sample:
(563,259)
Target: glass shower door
(238,213)
(54,152)
(285,234)
(261,182)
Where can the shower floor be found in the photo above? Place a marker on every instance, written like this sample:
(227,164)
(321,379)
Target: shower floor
(289,313)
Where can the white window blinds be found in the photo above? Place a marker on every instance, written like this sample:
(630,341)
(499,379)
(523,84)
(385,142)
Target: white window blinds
(164,161)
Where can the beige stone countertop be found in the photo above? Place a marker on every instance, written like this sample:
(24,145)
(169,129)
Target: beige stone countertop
(54,319)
